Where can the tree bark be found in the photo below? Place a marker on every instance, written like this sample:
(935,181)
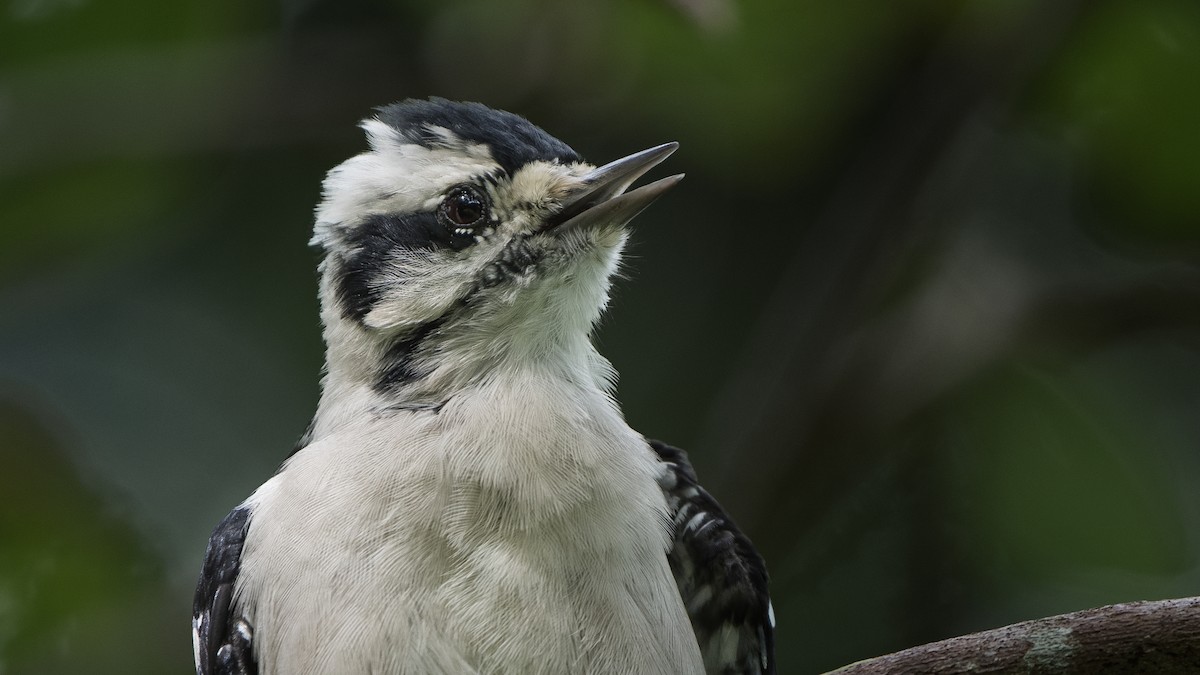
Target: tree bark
(1136,637)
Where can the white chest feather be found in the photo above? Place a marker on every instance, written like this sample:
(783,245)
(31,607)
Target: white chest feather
(517,530)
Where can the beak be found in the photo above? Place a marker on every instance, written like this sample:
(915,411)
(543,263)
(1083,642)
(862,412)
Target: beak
(603,200)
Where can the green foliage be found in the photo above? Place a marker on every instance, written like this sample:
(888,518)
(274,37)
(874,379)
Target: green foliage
(1124,95)
(1052,481)
(69,564)
(909,310)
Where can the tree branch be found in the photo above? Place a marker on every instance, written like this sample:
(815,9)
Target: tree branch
(1137,637)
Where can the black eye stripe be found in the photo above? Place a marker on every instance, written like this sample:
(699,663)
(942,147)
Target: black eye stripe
(371,246)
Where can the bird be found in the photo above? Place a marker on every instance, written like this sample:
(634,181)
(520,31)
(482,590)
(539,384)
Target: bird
(468,497)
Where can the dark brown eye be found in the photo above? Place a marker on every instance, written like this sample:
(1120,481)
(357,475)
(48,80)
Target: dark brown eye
(465,207)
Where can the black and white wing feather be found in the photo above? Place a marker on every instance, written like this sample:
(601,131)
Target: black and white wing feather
(722,578)
(221,638)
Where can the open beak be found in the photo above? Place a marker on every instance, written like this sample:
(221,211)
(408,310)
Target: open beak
(603,199)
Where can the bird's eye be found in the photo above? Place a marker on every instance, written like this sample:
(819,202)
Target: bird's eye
(464,207)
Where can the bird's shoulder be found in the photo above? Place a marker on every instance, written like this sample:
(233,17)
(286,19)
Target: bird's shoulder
(222,638)
(721,576)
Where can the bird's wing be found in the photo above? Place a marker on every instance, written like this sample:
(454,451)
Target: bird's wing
(722,578)
(221,638)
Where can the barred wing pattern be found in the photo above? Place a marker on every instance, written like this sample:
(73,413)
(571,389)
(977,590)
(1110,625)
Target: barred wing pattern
(221,637)
(721,577)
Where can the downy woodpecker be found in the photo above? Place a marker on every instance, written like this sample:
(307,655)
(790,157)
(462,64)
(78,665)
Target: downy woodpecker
(468,497)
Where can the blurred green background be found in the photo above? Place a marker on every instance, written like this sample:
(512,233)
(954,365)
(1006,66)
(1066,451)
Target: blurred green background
(926,310)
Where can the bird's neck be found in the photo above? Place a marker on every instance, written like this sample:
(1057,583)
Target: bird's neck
(471,363)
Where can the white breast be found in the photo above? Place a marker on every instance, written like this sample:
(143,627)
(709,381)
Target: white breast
(518,530)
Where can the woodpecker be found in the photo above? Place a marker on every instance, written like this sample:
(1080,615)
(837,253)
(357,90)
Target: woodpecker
(468,497)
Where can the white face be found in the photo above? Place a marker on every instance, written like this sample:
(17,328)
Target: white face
(439,234)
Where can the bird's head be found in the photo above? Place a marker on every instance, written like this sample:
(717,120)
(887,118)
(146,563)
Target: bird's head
(465,239)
